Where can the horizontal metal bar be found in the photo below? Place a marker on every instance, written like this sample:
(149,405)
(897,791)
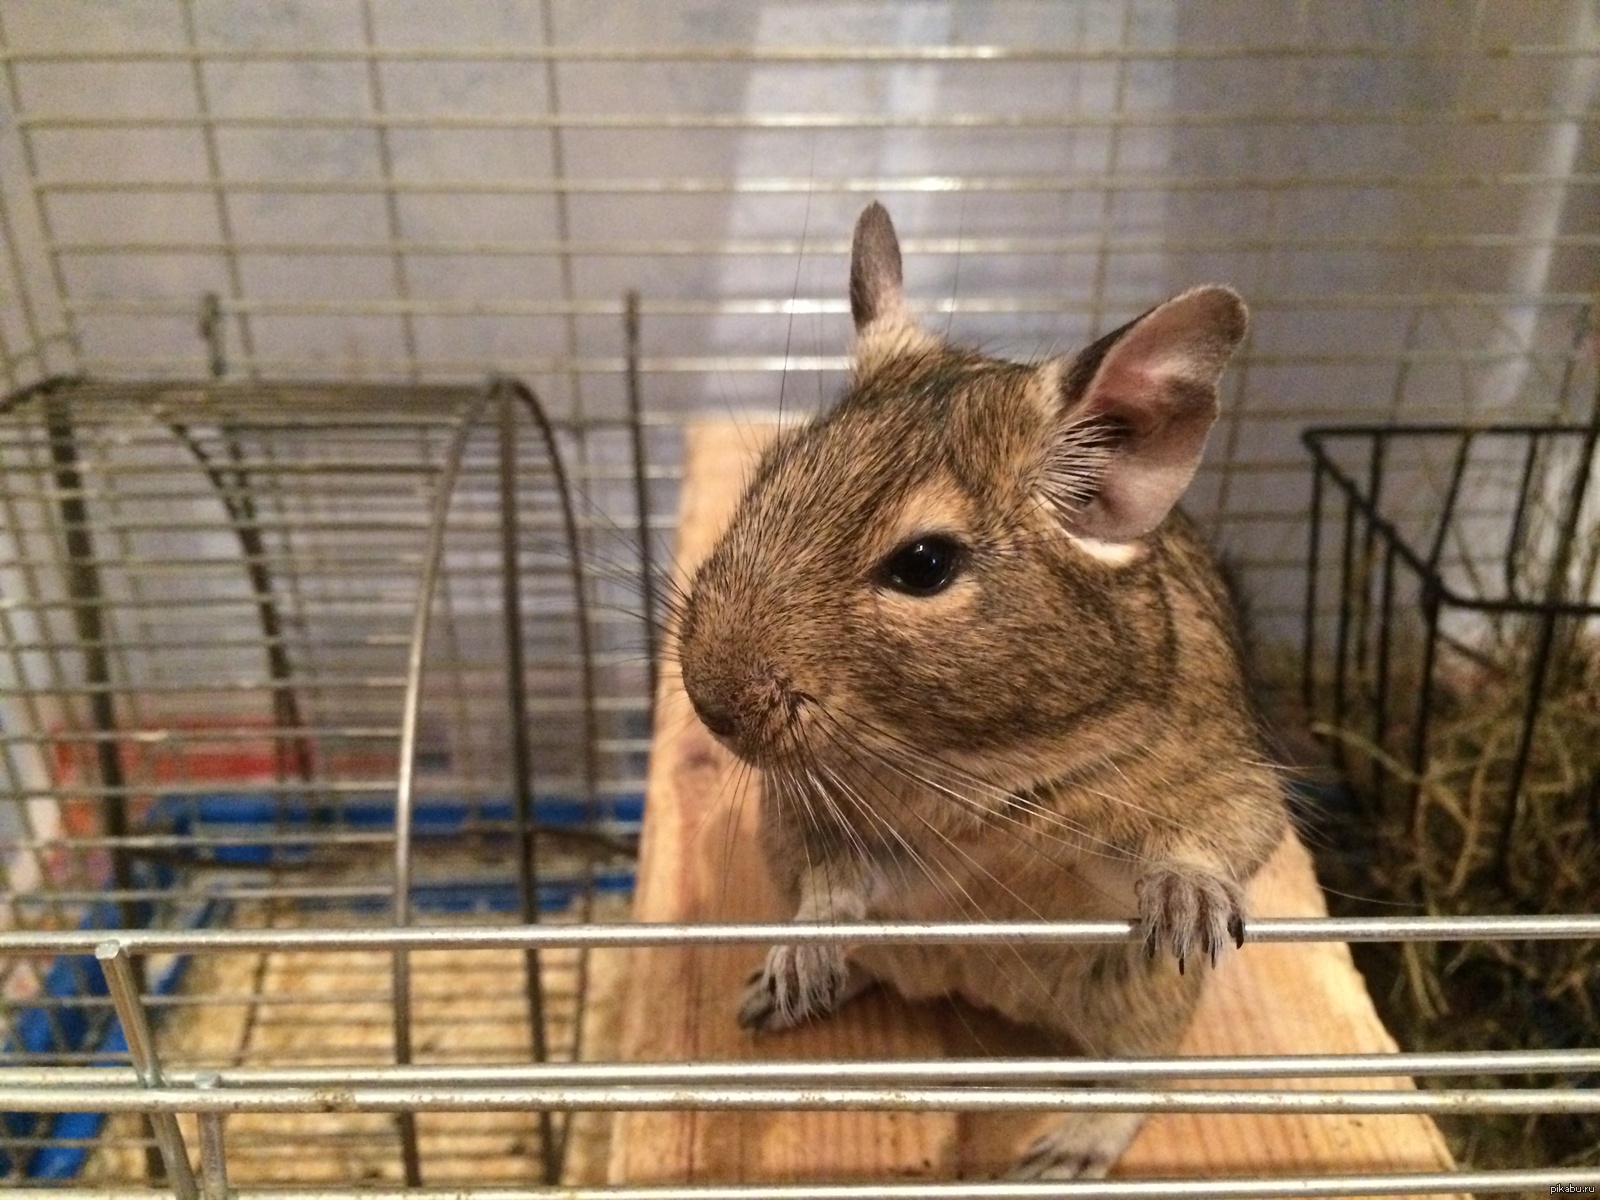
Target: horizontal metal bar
(264,477)
(952,933)
(269,410)
(1452,1183)
(317,402)
(798,54)
(805,122)
(600,616)
(358,557)
(793,306)
(264,473)
(788,248)
(244,732)
(377,994)
(347,1099)
(370,683)
(200,735)
(310,838)
(839,364)
(211,686)
(718,366)
(776,363)
(306,839)
(242,893)
(261,472)
(1443,431)
(842,1072)
(251,883)
(354,533)
(683,185)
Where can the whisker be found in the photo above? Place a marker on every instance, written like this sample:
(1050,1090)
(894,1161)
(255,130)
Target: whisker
(1082,838)
(968,905)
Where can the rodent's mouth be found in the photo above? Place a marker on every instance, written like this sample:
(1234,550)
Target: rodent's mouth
(762,751)
(762,722)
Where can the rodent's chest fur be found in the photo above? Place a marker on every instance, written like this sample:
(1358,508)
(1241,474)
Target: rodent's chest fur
(998,878)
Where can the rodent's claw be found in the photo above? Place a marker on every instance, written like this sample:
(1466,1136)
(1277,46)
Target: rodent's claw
(1185,910)
(1082,1146)
(797,983)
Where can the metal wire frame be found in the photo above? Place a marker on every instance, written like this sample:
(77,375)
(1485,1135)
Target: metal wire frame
(1243,1189)
(865,933)
(1432,1183)
(246,313)
(1374,548)
(745,53)
(806,121)
(332,408)
(161,1103)
(915,1085)
(1012,1085)
(1263,256)
(173,413)
(1481,35)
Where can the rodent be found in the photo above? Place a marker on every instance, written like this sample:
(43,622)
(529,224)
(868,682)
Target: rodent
(987,670)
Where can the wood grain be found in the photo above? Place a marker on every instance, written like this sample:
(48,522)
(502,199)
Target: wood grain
(699,862)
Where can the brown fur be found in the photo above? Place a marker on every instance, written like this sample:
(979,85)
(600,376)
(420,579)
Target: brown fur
(1061,733)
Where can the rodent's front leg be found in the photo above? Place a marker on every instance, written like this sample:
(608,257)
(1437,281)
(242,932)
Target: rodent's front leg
(813,979)
(1191,908)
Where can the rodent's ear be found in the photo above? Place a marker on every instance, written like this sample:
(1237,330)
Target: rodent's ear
(875,275)
(1137,406)
(877,298)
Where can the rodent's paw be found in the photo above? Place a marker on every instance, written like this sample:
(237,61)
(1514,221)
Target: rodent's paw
(1189,911)
(798,982)
(1082,1146)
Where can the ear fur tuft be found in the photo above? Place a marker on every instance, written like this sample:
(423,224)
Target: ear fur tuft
(1135,410)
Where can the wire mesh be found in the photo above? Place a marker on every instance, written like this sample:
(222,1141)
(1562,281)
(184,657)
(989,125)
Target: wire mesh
(406,202)
(257,668)
(1399,190)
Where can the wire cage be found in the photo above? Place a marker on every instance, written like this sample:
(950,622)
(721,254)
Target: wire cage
(1458,684)
(349,348)
(288,657)
(1481,576)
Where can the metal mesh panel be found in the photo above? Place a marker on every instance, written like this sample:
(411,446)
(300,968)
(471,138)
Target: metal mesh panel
(374,191)
(405,199)
(243,624)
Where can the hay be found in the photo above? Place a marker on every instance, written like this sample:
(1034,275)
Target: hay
(289,1008)
(1437,842)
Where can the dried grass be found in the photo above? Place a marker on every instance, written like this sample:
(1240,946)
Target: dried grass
(298,1009)
(1437,842)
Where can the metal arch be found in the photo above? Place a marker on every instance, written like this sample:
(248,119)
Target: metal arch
(405,780)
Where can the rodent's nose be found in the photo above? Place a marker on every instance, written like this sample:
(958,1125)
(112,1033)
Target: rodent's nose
(713,716)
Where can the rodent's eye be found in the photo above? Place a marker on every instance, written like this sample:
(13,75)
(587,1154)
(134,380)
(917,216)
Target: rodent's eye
(923,566)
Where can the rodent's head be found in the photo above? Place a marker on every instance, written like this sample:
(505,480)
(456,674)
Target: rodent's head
(954,559)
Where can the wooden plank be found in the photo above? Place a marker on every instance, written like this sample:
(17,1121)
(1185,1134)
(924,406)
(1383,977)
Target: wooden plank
(699,862)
